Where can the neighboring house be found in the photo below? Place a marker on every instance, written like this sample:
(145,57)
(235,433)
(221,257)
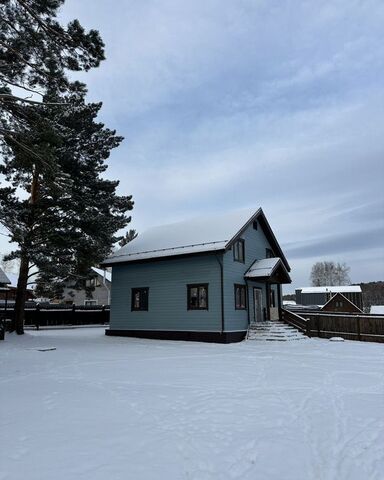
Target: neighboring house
(321,295)
(93,290)
(12,287)
(340,303)
(205,279)
(377,309)
(4,285)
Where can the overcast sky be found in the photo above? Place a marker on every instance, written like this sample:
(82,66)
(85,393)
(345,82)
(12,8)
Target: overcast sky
(229,104)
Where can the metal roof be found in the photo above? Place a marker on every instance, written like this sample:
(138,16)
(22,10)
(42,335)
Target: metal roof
(4,280)
(203,234)
(198,235)
(265,267)
(262,268)
(332,289)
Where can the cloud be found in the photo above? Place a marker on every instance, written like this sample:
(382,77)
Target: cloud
(232,104)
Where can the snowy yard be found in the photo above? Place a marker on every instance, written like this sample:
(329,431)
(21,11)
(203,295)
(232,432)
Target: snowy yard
(110,408)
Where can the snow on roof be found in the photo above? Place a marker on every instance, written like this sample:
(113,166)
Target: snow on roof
(332,289)
(262,268)
(13,277)
(377,309)
(203,234)
(4,279)
(100,272)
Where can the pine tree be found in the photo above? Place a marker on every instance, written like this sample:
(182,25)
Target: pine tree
(130,235)
(54,150)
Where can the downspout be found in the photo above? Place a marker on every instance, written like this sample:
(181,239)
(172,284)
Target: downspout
(248,302)
(248,309)
(105,285)
(220,261)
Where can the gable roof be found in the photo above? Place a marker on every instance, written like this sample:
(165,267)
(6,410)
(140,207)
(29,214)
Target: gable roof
(337,297)
(100,271)
(4,280)
(198,235)
(266,268)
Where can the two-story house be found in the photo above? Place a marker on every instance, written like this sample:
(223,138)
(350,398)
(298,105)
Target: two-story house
(95,289)
(205,279)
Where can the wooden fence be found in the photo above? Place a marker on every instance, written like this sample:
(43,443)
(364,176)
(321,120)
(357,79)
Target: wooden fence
(363,327)
(61,315)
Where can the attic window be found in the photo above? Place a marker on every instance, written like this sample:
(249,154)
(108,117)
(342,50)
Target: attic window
(255,225)
(238,251)
(269,253)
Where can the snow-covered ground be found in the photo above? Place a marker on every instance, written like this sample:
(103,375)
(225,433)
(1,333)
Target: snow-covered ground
(109,408)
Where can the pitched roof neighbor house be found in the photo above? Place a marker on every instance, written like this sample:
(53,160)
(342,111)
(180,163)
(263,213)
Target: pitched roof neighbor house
(205,279)
(340,303)
(321,295)
(93,290)
(8,288)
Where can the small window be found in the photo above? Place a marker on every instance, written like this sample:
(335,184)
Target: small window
(272,299)
(269,253)
(240,297)
(139,299)
(255,225)
(238,251)
(92,282)
(88,303)
(198,297)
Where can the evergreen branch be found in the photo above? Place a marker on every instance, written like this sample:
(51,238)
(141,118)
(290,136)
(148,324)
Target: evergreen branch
(10,25)
(41,23)
(24,147)
(18,54)
(47,28)
(6,80)
(8,96)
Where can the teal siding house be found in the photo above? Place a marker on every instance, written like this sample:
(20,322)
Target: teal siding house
(206,279)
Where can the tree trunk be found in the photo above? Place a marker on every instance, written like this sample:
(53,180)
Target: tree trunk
(22,283)
(21,295)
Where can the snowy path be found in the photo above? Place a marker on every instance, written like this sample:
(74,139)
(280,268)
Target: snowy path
(109,408)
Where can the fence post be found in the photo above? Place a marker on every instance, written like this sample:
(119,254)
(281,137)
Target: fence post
(358,328)
(37,316)
(73,313)
(308,327)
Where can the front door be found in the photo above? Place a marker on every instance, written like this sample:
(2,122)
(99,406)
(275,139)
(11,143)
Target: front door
(257,305)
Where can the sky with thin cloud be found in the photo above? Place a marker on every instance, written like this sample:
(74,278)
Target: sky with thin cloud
(231,104)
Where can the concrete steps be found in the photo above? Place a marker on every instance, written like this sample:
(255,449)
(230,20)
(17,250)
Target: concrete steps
(274,331)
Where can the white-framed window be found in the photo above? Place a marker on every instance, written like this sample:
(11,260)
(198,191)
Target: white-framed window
(90,302)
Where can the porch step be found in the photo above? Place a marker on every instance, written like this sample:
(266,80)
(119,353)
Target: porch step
(274,331)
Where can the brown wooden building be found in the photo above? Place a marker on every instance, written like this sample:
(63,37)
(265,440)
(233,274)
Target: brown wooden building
(340,303)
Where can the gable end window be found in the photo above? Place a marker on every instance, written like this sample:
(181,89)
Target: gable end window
(239,251)
(139,300)
(240,297)
(269,253)
(198,297)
